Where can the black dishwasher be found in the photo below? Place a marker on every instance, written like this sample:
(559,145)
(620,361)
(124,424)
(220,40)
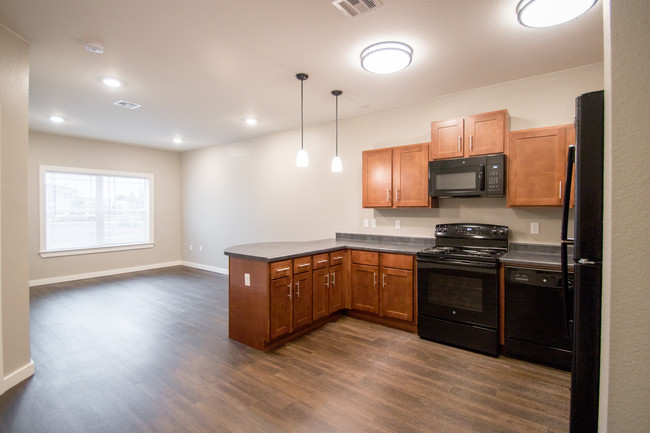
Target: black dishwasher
(538,316)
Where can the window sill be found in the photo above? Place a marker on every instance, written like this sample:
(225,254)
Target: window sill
(82,251)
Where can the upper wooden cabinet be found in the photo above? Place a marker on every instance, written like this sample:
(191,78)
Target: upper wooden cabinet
(537,165)
(396,176)
(478,134)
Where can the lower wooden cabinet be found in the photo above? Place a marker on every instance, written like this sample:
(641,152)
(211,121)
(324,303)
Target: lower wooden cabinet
(272,303)
(383,284)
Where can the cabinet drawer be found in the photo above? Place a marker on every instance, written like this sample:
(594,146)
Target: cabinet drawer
(321,261)
(365,258)
(399,261)
(302,264)
(337,257)
(280,269)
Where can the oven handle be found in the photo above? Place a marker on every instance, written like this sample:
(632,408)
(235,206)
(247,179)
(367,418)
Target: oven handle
(462,265)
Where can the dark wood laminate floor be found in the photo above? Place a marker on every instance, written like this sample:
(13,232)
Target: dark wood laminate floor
(149,352)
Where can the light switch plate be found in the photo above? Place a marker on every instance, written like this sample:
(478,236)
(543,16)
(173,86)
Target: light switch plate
(398,224)
(534,228)
(247,279)
(374,223)
(365,222)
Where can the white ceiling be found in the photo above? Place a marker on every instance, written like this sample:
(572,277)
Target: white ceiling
(200,67)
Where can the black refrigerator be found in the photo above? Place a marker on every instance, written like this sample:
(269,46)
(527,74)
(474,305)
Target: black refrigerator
(583,309)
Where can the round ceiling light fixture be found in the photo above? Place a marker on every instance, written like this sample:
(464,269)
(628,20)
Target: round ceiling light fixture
(547,13)
(386,57)
(95,47)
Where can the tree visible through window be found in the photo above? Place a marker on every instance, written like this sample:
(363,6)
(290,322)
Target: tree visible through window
(84,209)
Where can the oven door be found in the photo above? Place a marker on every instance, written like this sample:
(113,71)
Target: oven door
(458,291)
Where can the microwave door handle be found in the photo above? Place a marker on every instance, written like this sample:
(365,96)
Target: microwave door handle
(481,177)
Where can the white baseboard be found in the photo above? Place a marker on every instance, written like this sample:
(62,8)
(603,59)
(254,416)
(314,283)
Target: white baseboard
(66,278)
(205,267)
(16,377)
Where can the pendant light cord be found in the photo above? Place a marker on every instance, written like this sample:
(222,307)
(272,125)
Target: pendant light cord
(302,138)
(337,125)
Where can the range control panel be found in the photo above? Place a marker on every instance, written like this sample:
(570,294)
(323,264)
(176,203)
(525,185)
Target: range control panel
(467,231)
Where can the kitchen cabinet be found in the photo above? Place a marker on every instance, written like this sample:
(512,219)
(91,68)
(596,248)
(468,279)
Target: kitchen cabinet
(537,164)
(338,281)
(478,134)
(302,294)
(397,289)
(290,296)
(396,177)
(321,287)
(383,284)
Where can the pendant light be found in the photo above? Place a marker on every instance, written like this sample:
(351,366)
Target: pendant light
(337,166)
(301,159)
(546,13)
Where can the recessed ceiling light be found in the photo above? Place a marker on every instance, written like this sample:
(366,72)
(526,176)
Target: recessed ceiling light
(386,57)
(546,13)
(57,119)
(111,82)
(94,47)
(250,121)
(178,140)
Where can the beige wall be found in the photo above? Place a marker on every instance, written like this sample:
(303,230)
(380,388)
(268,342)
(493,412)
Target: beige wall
(252,191)
(625,368)
(15,361)
(48,149)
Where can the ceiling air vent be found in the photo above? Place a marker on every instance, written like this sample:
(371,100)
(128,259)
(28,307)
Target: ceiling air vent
(127,104)
(356,8)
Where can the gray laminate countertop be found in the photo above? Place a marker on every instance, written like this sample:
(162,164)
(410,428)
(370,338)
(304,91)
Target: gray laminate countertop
(274,251)
(534,255)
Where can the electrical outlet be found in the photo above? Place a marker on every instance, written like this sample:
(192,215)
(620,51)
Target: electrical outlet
(200,248)
(397,224)
(374,223)
(365,222)
(534,228)
(247,279)
(191,247)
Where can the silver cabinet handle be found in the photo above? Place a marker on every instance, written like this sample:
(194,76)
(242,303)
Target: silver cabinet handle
(303,265)
(322,261)
(397,194)
(383,280)
(298,289)
(560,190)
(282,269)
(327,282)
(459,140)
(471,141)
(333,278)
(374,278)
(289,287)
(388,195)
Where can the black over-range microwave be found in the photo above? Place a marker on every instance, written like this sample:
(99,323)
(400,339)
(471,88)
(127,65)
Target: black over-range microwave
(477,176)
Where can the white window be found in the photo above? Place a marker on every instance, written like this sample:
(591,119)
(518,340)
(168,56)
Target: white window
(88,211)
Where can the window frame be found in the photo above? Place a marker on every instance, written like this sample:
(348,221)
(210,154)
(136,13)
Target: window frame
(43,252)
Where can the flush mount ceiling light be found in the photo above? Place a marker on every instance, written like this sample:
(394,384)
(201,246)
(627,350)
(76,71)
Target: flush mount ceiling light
(301,159)
(386,57)
(178,140)
(94,47)
(111,82)
(57,119)
(250,121)
(337,165)
(546,13)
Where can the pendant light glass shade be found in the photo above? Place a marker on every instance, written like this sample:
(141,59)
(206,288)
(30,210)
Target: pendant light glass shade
(302,160)
(546,13)
(337,165)
(386,57)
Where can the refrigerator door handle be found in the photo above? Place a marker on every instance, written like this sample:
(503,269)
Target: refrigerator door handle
(571,157)
(567,292)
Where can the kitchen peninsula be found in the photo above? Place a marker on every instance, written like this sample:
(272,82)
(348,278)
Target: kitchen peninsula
(279,291)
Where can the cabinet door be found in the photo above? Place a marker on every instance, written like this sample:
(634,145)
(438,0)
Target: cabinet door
(365,293)
(536,166)
(411,175)
(486,133)
(321,293)
(397,293)
(302,299)
(377,178)
(447,139)
(337,289)
(281,294)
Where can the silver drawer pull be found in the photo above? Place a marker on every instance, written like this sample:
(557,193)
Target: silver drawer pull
(327,282)
(338,258)
(282,270)
(289,287)
(471,142)
(303,265)
(459,140)
(333,278)
(383,280)
(322,261)
(298,289)
(374,278)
